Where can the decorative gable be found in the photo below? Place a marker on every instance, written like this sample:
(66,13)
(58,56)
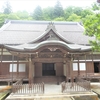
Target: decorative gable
(50,34)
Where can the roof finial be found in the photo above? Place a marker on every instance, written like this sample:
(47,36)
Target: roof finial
(51,26)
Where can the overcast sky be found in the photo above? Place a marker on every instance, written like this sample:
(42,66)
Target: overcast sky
(29,5)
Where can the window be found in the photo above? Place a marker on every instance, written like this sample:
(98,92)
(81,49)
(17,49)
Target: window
(22,67)
(82,66)
(75,66)
(13,68)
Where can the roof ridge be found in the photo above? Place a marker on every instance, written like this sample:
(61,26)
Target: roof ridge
(43,22)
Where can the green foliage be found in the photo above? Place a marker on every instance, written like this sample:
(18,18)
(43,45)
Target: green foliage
(2,19)
(7,8)
(59,19)
(92,28)
(56,13)
(74,17)
(95,6)
(68,11)
(86,12)
(38,15)
(23,15)
(58,10)
(14,16)
(48,13)
(77,10)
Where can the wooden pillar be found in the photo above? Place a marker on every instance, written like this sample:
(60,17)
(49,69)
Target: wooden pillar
(17,67)
(86,65)
(12,67)
(1,59)
(78,67)
(71,69)
(30,72)
(92,59)
(67,76)
(33,71)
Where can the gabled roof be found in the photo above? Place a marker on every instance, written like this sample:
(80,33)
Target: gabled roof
(20,32)
(42,34)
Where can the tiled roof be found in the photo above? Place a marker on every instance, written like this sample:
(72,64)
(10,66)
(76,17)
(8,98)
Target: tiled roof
(20,32)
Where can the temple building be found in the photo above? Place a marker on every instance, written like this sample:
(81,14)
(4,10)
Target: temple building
(45,51)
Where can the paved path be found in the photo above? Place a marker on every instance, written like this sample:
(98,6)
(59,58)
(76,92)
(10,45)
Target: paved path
(52,89)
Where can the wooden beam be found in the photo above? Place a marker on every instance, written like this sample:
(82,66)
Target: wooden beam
(51,53)
(49,59)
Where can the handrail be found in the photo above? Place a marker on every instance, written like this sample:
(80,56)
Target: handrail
(26,89)
(83,83)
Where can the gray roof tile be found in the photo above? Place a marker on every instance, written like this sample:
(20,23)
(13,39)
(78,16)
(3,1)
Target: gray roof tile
(20,32)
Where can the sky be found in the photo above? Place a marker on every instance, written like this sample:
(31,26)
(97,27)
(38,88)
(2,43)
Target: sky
(30,5)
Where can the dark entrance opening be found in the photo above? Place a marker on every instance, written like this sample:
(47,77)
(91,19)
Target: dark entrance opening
(96,67)
(48,69)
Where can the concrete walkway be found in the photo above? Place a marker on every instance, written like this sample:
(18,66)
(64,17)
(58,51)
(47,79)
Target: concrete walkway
(95,86)
(52,89)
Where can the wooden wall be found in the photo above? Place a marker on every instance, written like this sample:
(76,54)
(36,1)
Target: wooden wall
(4,69)
(90,67)
(38,69)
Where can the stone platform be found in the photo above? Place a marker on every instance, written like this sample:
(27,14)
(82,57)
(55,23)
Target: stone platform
(53,92)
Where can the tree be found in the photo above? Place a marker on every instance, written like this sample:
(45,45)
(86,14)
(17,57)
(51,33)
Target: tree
(74,18)
(95,6)
(77,10)
(59,19)
(38,15)
(58,10)
(7,8)
(48,13)
(86,12)
(68,11)
(23,15)
(92,28)
(2,19)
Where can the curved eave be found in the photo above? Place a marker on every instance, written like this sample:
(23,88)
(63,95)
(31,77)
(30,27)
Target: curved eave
(28,47)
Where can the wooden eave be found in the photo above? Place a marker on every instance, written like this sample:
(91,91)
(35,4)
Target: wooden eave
(35,48)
